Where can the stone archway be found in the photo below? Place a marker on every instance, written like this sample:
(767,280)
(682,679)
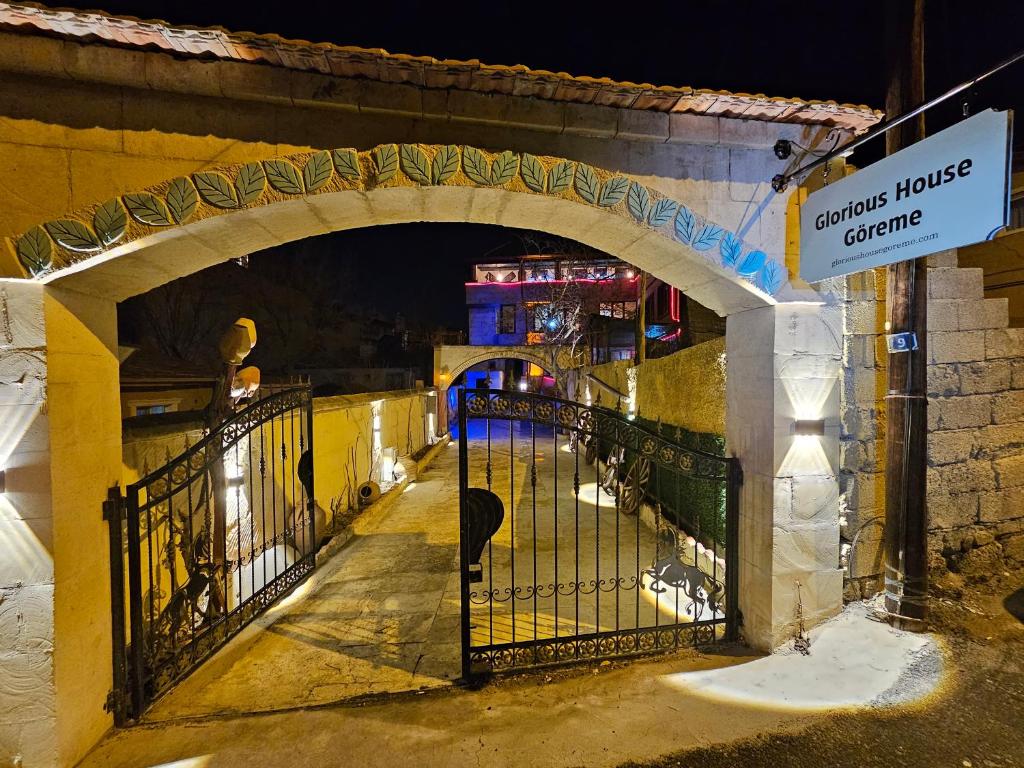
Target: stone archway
(451,361)
(783,357)
(126,245)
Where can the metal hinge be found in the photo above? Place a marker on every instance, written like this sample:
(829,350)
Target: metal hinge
(114,497)
(113,701)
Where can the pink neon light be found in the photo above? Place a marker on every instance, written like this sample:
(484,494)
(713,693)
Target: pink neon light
(673,304)
(547,282)
(670,336)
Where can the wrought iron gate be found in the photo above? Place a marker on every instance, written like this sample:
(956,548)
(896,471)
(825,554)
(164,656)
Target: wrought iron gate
(585,535)
(211,539)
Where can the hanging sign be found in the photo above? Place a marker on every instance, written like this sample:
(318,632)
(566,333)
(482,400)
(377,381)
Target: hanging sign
(949,190)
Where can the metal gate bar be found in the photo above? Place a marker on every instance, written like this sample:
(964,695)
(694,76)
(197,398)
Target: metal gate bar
(642,553)
(212,538)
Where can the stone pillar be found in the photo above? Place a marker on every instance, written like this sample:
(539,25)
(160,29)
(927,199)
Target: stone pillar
(27,696)
(60,444)
(783,365)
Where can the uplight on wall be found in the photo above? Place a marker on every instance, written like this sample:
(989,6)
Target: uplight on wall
(809,427)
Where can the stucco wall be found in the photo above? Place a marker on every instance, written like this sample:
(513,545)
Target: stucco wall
(686,388)
(343,440)
(70,137)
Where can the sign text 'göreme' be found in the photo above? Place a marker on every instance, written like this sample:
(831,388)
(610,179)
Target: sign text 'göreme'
(949,190)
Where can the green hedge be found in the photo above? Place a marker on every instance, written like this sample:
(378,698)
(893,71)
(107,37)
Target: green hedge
(694,505)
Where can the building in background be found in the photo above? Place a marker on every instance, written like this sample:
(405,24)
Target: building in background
(517,303)
(156,385)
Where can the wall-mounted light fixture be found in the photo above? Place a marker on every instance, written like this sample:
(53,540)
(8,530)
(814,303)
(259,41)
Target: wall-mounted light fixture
(814,427)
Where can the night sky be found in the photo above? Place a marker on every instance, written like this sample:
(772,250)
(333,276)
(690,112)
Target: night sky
(812,50)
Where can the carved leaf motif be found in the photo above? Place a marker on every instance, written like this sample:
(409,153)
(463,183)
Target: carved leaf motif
(346,163)
(445,164)
(504,168)
(181,198)
(35,250)
(385,160)
(662,212)
(532,171)
(730,248)
(752,264)
(110,221)
(475,166)
(414,163)
(638,200)
(560,177)
(708,238)
(283,176)
(685,224)
(148,209)
(215,189)
(317,170)
(250,183)
(74,235)
(587,184)
(613,191)
(772,277)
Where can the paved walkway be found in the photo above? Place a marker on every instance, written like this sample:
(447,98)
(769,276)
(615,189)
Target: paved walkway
(597,717)
(382,616)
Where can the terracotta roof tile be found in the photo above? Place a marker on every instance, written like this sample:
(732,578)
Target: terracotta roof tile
(378,64)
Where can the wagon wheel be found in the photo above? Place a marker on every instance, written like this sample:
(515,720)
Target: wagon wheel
(610,479)
(634,486)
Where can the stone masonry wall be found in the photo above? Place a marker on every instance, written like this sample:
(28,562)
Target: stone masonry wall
(975,419)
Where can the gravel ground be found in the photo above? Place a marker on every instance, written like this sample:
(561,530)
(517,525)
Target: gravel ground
(975,721)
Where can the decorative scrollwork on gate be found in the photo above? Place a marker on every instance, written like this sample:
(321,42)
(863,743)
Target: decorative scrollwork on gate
(622,483)
(197,528)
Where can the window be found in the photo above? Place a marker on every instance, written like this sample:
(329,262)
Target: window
(151,410)
(543,318)
(507,318)
(1017,213)
(618,309)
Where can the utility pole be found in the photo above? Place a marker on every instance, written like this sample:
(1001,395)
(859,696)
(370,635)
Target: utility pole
(906,301)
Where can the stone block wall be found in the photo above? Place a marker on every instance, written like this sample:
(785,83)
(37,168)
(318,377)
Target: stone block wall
(975,413)
(975,417)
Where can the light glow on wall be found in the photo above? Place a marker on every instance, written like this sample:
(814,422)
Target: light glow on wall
(23,553)
(632,375)
(199,761)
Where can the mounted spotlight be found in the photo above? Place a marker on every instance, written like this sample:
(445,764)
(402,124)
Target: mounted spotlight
(814,427)
(783,149)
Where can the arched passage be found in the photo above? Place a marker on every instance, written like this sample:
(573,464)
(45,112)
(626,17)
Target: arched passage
(782,357)
(127,245)
(451,361)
